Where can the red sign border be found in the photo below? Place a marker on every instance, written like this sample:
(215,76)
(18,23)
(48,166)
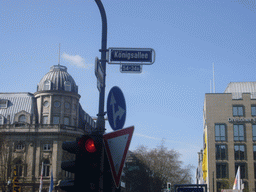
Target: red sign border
(111,135)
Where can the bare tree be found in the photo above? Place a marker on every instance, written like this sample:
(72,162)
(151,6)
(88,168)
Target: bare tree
(151,169)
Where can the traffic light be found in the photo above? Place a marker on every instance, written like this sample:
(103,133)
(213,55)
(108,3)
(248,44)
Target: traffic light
(169,186)
(88,150)
(88,162)
(16,187)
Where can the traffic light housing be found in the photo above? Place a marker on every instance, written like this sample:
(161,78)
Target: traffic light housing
(88,162)
(71,147)
(86,167)
(169,186)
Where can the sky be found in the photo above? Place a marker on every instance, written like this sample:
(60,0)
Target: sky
(165,101)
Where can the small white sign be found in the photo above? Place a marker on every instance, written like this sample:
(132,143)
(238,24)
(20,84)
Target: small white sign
(130,68)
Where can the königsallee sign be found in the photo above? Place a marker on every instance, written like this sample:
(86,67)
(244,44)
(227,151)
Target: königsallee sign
(144,56)
(137,56)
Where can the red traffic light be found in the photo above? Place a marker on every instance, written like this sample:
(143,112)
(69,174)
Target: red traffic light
(88,144)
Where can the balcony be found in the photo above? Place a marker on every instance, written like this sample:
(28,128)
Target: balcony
(47,128)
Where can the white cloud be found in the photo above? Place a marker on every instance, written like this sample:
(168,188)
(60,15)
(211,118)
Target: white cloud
(76,60)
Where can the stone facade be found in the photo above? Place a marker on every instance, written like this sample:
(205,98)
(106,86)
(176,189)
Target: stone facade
(33,128)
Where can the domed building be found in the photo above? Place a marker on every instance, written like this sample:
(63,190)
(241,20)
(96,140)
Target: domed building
(33,128)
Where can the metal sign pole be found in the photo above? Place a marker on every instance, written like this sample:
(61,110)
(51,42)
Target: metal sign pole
(100,123)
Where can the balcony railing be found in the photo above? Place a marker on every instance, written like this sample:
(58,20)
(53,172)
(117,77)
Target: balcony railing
(30,128)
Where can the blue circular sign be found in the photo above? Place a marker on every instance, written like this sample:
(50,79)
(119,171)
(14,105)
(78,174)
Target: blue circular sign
(116,108)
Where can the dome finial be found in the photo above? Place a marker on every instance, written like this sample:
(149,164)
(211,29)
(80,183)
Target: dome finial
(59,55)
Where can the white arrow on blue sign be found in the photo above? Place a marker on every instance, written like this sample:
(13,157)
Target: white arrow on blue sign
(116,108)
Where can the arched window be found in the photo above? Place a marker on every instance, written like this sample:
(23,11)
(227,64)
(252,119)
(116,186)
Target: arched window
(22,118)
(19,146)
(47,85)
(46,168)
(1,120)
(67,85)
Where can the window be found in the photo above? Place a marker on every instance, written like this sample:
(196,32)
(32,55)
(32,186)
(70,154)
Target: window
(238,111)
(56,104)
(19,146)
(22,118)
(222,170)
(1,120)
(47,147)
(222,185)
(68,174)
(254,132)
(243,169)
(67,85)
(254,152)
(246,188)
(45,119)
(19,168)
(66,121)
(239,133)
(74,107)
(240,153)
(56,120)
(74,122)
(3,104)
(254,170)
(46,168)
(220,132)
(221,152)
(47,85)
(67,105)
(253,109)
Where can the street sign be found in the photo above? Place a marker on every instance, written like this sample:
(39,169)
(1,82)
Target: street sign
(146,56)
(116,145)
(132,68)
(99,73)
(190,187)
(116,108)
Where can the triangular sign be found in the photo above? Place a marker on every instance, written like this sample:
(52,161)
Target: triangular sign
(116,145)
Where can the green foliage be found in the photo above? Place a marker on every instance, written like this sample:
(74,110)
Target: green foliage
(150,169)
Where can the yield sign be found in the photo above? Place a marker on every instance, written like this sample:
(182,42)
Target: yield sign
(117,144)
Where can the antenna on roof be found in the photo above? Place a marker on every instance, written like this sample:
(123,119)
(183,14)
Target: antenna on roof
(210,86)
(59,55)
(213,78)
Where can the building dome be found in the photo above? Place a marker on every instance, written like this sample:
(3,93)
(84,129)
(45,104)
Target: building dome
(58,79)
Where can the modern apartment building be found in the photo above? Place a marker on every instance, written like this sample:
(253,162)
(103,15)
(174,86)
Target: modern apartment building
(230,137)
